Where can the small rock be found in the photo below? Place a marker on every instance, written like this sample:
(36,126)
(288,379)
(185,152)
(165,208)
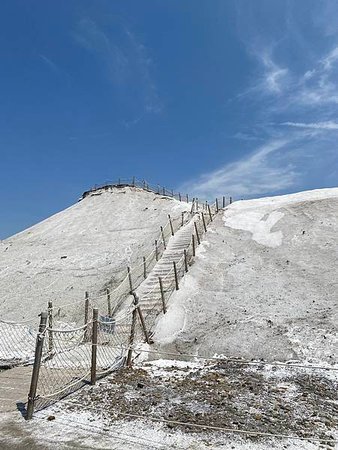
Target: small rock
(50,418)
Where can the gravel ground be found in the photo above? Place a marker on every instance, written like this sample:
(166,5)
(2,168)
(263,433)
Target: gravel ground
(290,402)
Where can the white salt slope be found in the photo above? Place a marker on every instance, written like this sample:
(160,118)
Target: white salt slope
(80,248)
(264,284)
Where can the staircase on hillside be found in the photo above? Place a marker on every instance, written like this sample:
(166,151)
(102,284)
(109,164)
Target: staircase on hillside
(149,292)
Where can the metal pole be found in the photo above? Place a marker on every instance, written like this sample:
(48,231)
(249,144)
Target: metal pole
(144,267)
(185,261)
(164,244)
(203,220)
(176,277)
(36,367)
(130,280)
(162,295)
(171,225)
(94,346)
(197,235)
(50,325)
(109,302)
(193,246)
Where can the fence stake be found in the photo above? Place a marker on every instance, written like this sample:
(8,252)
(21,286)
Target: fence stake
(130,280)
(196,202)
(192,205)
(187,198)
(94,346)
(50,325)
(131,338)
(210,215)
(230,200)
(162,295)
(156,251)
(143,324)
(171,225)
(176,277)
(163,239)
(193,246)
(185,261)
(182,219)
(109,302)
(144,267)
(206,205)
(133,182)
(197,235)
(36,366)
(223,201)
(203,220)
(179,197)
(86,316)
(216,204)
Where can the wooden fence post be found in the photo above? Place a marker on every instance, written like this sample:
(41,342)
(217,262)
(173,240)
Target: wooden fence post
(182,223)
(94,346)
(196,203)
(223,201)
(197,235)
(130,280)
(86,316)
(162,295)
(144,267)
(143,324)
(163,239)
(171,225)
(131,338)
(210,215)
(187,196)
(203,220)
(36,367)
(193,246)
(108,302)
(133,182)
(179,197)
(50,325)
(230,200)
(176,277)
(216,204)
(185,260)
(156,251)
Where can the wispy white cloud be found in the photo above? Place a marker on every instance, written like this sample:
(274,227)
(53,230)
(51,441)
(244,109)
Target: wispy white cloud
(260,172)
(328,125)
(125,60)
(274,76)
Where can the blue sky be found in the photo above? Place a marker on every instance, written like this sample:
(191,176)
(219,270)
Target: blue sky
(210,97)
